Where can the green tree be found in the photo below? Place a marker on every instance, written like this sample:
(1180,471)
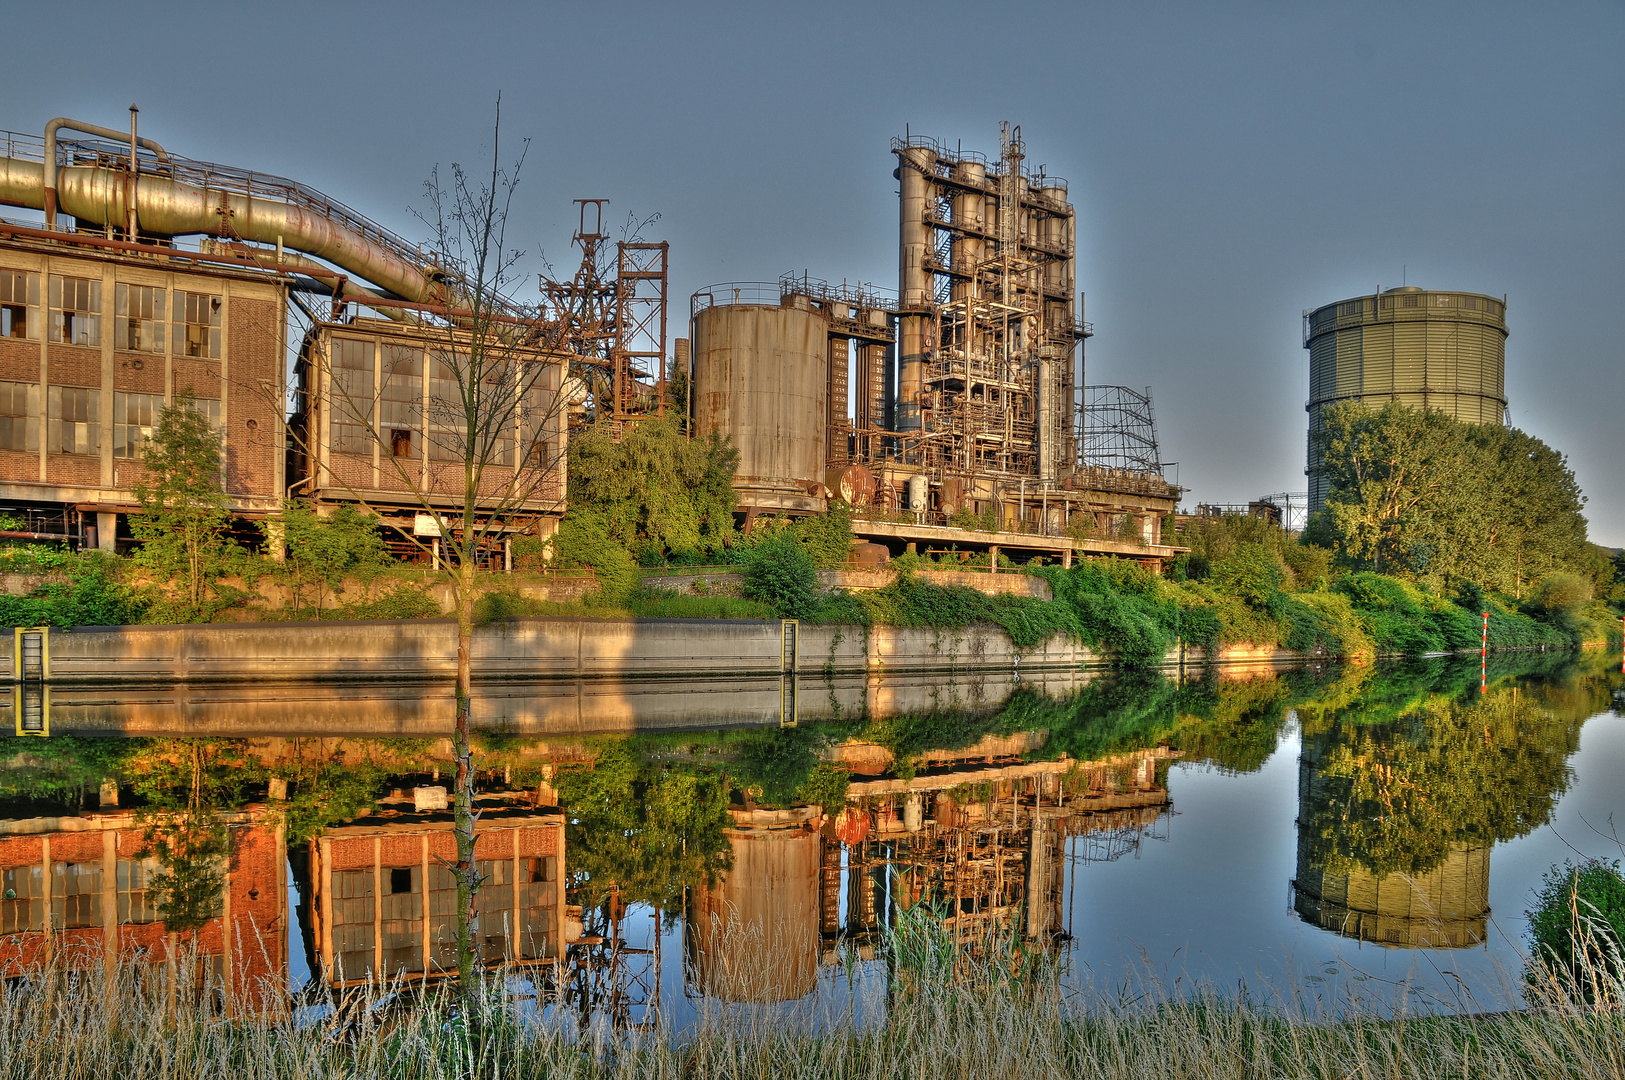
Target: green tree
(658,490)
(1577,928)
(184,513)
(1419,494)
(322,551)
(779,571)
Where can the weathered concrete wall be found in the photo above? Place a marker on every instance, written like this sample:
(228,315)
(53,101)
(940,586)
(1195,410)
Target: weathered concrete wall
(729,583)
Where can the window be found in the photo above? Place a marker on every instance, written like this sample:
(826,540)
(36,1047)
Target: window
(1354,307)
(19,305)
(350,907)
(73,423)
(1410,301)
(76,895)
(352,396)
(1470,303)
(446,416)
(197,325)
(1442,301)
(134,416)
(22,899)
(138,314)
(134,879)
(19,416)
(208,408)
(400,400)
(76,310)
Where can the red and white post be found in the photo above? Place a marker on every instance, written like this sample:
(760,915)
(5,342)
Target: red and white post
(1483,654)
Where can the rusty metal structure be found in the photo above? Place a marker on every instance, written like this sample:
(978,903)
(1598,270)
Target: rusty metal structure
(620,321)
(956,404)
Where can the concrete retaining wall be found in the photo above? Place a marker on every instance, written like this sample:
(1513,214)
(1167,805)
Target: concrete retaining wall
(541,649)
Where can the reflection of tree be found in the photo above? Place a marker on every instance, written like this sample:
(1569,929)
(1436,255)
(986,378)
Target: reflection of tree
(1399,795)
(189,785)
(1235,725)
(646,830)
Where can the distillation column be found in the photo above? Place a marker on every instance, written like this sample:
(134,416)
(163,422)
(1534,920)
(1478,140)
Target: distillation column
(916,166)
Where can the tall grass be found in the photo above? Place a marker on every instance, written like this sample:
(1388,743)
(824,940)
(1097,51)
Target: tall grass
(995,1015)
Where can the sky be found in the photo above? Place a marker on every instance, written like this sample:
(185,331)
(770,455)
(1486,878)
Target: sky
(1231,164)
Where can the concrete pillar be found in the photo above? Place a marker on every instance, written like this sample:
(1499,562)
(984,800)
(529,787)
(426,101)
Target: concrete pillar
(1066,558)
(993,558)
(107,531)
(108,794)
(275,544)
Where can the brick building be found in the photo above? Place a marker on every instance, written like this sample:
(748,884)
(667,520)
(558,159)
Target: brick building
(95,337)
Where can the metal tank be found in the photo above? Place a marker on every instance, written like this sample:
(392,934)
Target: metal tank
(754,935)
(1423,348)
(916,164)
(761,379)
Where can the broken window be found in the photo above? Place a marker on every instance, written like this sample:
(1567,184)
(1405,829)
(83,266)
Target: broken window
(19,304)
(76,310)
(138,312)
(134,417)
(73,423)
(19,416)
(352,396)
(197,325)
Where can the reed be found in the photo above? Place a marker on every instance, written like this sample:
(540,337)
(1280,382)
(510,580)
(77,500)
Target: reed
(993,1015)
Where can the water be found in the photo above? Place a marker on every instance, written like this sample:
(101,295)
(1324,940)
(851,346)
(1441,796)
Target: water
(1379,831)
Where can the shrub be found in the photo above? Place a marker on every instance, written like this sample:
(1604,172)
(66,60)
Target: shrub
(780,572)
(1577,927)
(584,539)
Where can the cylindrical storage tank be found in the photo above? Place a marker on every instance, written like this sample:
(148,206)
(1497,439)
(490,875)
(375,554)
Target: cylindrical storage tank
(1426,349)
(917,488)
(761,378)
(754,936)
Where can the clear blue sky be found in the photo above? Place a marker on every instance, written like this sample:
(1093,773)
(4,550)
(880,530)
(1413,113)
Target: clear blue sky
(1231,164)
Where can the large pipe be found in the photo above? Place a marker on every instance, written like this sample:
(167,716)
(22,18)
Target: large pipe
(170,207)
(61,122)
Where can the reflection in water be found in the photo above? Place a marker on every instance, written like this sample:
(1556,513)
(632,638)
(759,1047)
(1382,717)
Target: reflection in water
(777,853)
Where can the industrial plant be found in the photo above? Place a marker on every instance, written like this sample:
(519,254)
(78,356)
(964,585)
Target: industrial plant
(1425,349)
(952,412)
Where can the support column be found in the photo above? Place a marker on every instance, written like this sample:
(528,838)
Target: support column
(107,531)
(993,558)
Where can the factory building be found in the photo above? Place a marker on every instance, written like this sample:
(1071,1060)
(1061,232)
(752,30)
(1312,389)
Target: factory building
(105,316)
(1425,349)
(952,415)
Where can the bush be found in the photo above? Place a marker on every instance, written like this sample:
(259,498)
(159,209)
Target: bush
(779,572)
(584,539)
(91,596)
(1577,928)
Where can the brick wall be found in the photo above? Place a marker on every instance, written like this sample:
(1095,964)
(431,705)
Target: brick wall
(16,466)
(19,361)
(148,378)
(73,469)
(70,365)
(251,430)
(202,377)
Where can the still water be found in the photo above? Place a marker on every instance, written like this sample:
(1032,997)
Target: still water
(1374,829)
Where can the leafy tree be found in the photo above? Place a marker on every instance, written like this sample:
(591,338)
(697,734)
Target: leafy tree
(322,551)
(584,540)
(184,512)
(657,489)
(1422,495)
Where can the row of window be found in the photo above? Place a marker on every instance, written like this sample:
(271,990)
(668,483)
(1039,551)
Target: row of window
(141,314)
(381,390)
(73,422)
(76,895)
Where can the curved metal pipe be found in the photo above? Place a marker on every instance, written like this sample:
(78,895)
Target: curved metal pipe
(89,129)
(99,196)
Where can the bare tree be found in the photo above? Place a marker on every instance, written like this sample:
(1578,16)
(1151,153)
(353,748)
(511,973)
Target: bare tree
(490,459)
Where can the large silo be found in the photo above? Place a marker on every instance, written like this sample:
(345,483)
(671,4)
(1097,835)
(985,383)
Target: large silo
(761,377)
(1426,349)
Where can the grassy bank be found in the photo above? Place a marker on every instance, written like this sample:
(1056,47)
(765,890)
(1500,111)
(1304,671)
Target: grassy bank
(980,1020)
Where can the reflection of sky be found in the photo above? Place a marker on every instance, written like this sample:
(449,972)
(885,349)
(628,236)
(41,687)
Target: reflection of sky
(1212,902)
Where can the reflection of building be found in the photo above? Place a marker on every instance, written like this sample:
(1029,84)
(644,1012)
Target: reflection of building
(1446,907)
(385,897)
(753,936)
(984,845)
(81,885)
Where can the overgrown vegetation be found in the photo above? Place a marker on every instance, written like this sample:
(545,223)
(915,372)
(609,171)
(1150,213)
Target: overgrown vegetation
(1577,931)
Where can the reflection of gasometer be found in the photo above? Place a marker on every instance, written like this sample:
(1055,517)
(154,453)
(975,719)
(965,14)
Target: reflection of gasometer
(31,673)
